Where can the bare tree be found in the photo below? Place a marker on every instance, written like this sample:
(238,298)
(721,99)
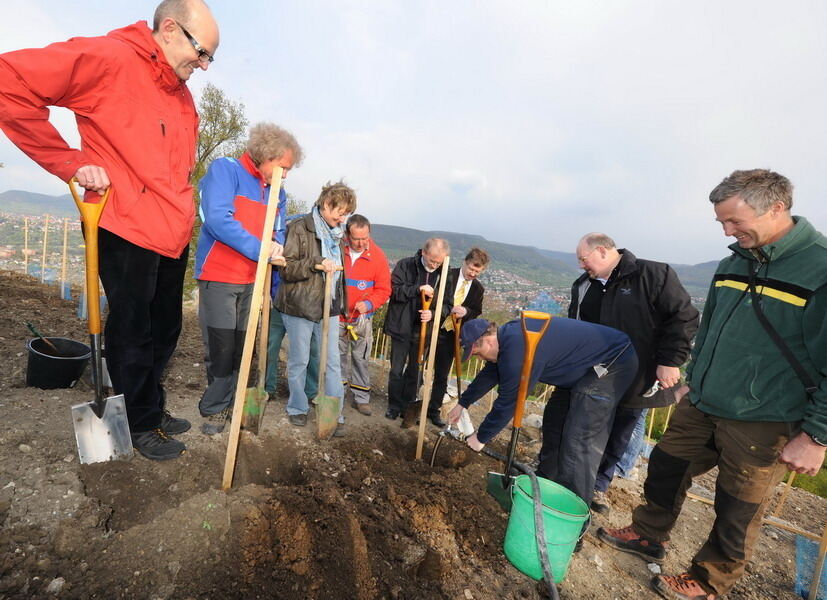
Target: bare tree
(222,131)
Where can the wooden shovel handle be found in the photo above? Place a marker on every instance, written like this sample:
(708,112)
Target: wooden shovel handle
(532,339)
(423,325)
(90,216)
(457,351)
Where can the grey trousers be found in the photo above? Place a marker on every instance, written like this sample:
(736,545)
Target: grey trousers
(355,358)
(223,310)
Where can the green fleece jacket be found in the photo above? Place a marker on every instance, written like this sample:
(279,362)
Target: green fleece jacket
(737,372)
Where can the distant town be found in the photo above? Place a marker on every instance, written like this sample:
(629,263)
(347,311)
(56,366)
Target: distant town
(61,260)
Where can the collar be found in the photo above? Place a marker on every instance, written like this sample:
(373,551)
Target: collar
(247,162)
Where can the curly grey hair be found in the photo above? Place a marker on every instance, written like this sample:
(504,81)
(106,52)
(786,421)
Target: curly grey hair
(268,141)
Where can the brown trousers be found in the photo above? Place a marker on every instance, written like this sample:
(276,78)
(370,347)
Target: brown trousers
(746,454)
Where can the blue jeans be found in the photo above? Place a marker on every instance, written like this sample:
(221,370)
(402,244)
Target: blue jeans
(635,447)
(274,340)
(301,333)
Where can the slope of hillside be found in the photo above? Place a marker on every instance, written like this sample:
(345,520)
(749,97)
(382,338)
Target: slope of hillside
(547,268)
(19,202)
(525,261)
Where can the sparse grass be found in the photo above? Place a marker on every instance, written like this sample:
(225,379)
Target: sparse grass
(816,485)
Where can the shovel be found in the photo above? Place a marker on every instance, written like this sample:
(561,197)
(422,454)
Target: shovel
(101,426)
(327,407)
(499,484)
(255,400)
(409,418)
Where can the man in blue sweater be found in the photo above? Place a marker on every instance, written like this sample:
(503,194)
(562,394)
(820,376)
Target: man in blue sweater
(598,363)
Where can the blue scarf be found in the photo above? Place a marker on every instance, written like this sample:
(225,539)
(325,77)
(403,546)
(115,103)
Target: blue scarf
(330,238)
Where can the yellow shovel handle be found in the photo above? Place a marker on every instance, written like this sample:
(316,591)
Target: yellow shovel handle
(532,339)
(90,215)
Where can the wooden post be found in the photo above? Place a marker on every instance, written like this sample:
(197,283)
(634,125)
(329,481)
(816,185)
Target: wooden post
(651,423)
(783,499)
(63,258)
(43,258)
(26,245)
(252,324)
(668,417)
(819,566)
(429,366)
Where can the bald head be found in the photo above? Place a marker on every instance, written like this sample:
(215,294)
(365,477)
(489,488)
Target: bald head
(597,255)
(187,33)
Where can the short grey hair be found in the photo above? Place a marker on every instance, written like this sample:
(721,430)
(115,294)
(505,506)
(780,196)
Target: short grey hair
(759,188)
(177,10)
(268,141)
(434,242)
(596,239)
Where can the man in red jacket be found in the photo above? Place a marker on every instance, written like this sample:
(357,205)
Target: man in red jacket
(368,280)
(138,129)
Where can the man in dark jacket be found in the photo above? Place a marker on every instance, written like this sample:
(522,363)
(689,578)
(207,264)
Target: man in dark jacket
(645,300)
(411,277)
(315,239)
(466,293)
(751,410)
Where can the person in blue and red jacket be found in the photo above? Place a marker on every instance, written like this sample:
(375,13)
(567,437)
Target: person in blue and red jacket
(138,129)
(234,196)
(368,281)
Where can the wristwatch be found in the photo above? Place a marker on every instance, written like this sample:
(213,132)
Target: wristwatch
(818,441)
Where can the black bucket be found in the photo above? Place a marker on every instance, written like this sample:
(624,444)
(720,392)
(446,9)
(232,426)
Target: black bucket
(47,371)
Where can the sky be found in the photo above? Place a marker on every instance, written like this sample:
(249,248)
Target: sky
(530,122)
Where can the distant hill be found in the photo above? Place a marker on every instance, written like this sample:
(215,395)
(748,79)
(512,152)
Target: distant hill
(19,202)
(550,268)
(525,261)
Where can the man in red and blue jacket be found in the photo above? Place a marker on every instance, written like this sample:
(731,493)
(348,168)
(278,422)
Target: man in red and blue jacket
(368,280)
(234,198)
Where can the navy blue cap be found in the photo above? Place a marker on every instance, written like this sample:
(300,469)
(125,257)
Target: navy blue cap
(470,333)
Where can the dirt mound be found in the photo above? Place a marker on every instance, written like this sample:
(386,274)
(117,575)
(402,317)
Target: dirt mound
(352,518)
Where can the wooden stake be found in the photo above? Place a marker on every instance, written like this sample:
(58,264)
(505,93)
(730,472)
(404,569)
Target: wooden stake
(252,324)
(819,566)
(26,245)
(43,258)
(668,417)
(429,366)
(783,499)
(651,423)
(63,258)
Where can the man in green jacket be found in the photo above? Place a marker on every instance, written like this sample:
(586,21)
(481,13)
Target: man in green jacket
(750,408)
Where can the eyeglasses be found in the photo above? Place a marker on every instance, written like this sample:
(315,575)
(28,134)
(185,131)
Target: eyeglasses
(203,55)
(582,259)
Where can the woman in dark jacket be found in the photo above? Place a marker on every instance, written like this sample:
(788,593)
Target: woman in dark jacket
(315,239)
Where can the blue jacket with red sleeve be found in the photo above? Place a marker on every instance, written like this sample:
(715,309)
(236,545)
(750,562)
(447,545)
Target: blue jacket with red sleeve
(234,199)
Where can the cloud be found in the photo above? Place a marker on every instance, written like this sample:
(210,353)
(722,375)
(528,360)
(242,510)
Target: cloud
(530,125)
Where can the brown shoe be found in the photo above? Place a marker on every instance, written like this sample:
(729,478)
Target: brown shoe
(628,540)
(362,408)
(411,415)
(680,587)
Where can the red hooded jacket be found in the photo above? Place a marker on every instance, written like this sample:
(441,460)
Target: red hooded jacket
(135,118)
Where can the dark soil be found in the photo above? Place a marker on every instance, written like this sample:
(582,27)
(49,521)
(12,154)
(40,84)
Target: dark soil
(353,518)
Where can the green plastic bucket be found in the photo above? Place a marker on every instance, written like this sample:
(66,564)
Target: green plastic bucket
(563,516)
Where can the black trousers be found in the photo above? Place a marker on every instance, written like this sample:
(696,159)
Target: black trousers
(622,429)
(144,291)
(576,425)
(442,370)
(404,374)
